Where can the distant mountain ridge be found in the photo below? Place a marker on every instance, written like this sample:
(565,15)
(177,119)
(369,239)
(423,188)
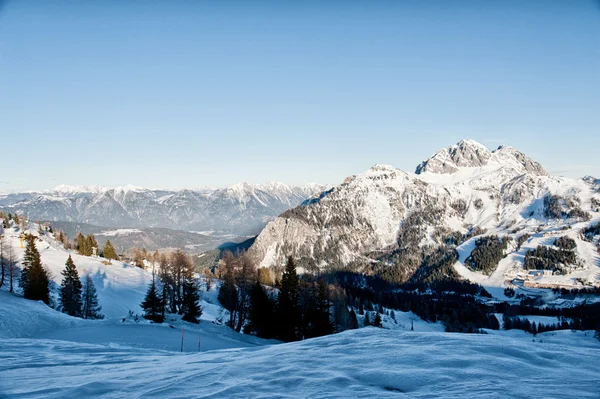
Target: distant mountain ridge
(240,209)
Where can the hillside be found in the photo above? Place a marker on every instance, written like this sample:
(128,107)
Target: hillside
(386,221)
(241,209)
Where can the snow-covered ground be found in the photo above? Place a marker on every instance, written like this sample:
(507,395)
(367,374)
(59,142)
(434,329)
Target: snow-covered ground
(365,363)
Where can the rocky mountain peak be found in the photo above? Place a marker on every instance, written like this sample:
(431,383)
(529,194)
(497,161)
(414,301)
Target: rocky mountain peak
(470,154)
(466,153)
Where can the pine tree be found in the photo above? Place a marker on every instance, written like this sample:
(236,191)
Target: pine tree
(321,325)
(91,308)
(261,313)
(367,321)
(377,321)
(288,312)
(34,279)
(109,251)
(353,319)
(191,298)
(228,293)
(152,304)
(70,290)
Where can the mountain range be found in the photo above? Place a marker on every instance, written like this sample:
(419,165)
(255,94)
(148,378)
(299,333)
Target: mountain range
(240,209)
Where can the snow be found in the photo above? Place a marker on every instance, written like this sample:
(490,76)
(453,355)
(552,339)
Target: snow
(119,232)
(361,363)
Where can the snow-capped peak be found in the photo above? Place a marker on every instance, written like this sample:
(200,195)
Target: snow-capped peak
(70,189)
(471,154)
(466,153)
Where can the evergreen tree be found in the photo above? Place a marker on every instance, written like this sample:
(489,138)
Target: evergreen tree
(70,290)
(34,279)
(109,251)
(377,321)
(288,312)
(353,319)
(191,298)
(321,325)
(228,294)
(367,321)
(261,313)
(152,304)
(91,308)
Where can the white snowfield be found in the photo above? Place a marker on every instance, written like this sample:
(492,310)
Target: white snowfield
(365,363)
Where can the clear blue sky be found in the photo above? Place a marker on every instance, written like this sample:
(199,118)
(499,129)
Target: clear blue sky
(184,94)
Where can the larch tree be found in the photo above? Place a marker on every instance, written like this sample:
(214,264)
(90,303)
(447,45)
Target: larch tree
(70,290)
(109,251)
(11,264)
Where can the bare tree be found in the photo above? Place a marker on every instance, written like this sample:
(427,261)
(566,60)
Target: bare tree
(3,265)
(11,263)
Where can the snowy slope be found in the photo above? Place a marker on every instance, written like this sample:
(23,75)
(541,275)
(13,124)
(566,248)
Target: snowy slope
(121,287)
(21,318)
(365,363)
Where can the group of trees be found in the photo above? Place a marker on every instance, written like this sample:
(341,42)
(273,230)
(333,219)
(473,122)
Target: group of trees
(77,299)
(454,303)
(547,258)
(173,289)
(487,253)
(517,323)
(298,308)
(557,207)
(565,243)
(17,220)
(86,244)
